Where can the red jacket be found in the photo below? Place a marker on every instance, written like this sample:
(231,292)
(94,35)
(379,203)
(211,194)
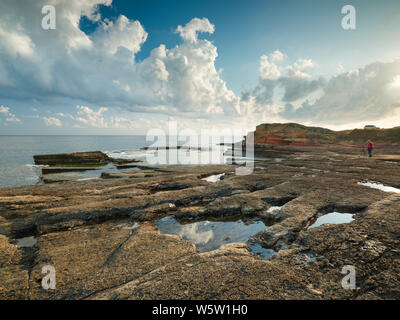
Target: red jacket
(370,145)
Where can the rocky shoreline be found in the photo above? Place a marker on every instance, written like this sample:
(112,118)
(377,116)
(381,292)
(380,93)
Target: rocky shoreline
(102,238)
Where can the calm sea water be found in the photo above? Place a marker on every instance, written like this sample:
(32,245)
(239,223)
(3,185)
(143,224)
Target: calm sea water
(16,153)
(16,156)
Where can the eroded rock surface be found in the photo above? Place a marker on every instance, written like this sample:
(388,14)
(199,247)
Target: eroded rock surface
(102,239)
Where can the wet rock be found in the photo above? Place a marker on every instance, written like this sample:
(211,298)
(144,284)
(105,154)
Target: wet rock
(238,204)
(89,231)
(96,202)
(125,162)
(115,175)
(77,158)
(154,212)
(52,170)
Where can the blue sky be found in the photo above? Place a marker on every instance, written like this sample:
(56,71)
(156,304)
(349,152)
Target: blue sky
(245,30)
(124,68)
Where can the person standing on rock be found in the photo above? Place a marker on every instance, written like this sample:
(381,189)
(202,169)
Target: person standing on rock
(370,147)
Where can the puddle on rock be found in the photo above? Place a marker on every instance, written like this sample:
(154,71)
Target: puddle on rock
(210,235)
(274,209)
(305,258)
(333,218)
(260,251)
(214,178)
(379,186)
(26,242)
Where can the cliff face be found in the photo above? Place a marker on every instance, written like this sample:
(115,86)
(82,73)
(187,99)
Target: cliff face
(293,136)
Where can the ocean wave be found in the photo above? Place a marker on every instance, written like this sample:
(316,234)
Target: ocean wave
(35,165)
(126,154)
(86,179)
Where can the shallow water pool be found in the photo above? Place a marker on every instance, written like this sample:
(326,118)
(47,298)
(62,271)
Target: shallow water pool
(379,186)
(26,242)
(210,235)
(214,178)
(333,218)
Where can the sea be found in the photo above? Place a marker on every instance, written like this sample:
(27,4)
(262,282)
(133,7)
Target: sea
(17,166)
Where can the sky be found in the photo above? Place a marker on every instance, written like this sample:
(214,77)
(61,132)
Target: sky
(126,67)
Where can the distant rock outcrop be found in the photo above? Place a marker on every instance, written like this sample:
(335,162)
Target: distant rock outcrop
(291,137)
(77,158)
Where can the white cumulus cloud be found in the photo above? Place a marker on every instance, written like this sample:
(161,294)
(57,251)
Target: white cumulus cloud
(52,122)
(354,96)
(268,69)
(191,29)
(277,56)
(100,68)
(123,33)
(8,115)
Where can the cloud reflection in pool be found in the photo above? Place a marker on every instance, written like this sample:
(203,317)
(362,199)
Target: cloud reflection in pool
(210,235)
